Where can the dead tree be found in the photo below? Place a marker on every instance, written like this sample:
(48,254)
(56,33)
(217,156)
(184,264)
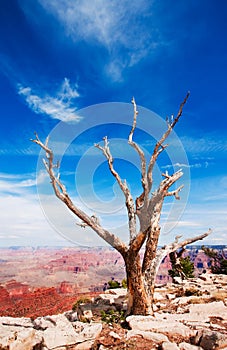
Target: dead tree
(146,209)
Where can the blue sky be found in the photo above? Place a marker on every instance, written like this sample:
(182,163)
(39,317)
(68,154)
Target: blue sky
(58,57)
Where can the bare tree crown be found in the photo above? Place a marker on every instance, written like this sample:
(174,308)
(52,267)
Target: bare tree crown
(146,209)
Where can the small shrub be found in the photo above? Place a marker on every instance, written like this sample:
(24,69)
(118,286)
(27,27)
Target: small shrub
(192,291)
(82,300)
(218,260)
(182,267)
(112,316)
(198,301)
(113,284)
(124,283)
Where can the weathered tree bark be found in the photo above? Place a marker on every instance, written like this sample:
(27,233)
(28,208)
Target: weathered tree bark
(146,209)
(139,302)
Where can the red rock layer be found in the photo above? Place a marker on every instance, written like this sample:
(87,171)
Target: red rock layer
(40,302)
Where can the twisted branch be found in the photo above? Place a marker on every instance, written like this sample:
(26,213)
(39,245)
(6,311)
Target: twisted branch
(123,186)
(159,147)
(61,193)
(143,199)
(172,247)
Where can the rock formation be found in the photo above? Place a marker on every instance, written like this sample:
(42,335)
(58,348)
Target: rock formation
(188,316)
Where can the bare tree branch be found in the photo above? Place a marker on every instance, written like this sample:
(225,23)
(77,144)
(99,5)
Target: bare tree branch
(172,247)
(175,193)
(159,147)
(147,208)
(123,186)
(143,198)
(61,193)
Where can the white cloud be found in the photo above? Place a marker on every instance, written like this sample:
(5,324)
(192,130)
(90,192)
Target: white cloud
(182,165)
(109,22)
(58,107)
(206,145)
(117,25)
(22,220)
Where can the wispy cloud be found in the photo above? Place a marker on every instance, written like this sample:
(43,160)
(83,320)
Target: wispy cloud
(18,185)
(22,220)
(208,144)
(119,26)
(58,107)
(182,165)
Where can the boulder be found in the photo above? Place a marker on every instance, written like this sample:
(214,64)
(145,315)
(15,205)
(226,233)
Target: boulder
(155,337)
(149,323)
(158,296)
(213,340)
(19,338)
(84,312)
(169,346)
(196,314)
(187,346)
(114,335)
(87,331)
(16,321)
(63,333)
(115,297)
(72,316)
(203,312)
(42,323)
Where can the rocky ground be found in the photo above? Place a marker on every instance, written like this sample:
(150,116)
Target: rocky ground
(188,315)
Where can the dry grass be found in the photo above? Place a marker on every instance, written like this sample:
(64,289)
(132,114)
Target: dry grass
(219,295)
(200,300)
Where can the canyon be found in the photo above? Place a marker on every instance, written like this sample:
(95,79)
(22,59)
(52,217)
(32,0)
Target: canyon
(41,281)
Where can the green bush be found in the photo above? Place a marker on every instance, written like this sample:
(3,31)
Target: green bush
(113,284)
(218,260)
(124,283)
(82,300)
(192,291)
(112,316)
(185,268)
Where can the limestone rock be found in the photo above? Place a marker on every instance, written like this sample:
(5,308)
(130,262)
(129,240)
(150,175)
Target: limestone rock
(169,346)
(61,334)
(19,338)
(87,331)
(187,346)
(72,316)
(16,321)
(158,296)
(155,337)
(149,323)
(84,312)
(177,280)
(87,345)
(203,312)
(42,323)
(115,297)
(114,335)
(213,340)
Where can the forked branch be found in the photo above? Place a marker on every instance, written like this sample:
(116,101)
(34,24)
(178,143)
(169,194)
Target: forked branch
(143,199)
(172,247)
(59,188)
(61,193)
(160,146)
(123,186)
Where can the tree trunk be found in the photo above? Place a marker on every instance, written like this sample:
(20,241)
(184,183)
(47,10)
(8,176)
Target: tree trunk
(138,301)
